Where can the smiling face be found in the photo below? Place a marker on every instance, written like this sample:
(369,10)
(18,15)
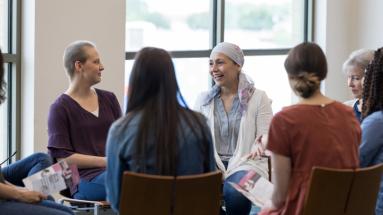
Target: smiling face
(91,69)
(354,80)
(223,70)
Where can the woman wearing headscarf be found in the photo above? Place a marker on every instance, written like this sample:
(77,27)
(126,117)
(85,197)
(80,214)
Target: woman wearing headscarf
(239,116)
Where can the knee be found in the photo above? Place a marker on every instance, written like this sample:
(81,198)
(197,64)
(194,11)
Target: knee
(230,193)
(43,158)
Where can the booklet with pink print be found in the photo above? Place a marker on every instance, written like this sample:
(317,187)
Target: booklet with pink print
(53,179)
(255,187)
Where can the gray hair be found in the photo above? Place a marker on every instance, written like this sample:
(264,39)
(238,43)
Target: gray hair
(360,58)
(75,52)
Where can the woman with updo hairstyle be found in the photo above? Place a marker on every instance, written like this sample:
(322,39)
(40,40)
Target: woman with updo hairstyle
(308,134)
(371,149)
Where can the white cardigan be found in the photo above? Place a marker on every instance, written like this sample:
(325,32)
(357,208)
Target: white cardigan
(255,121)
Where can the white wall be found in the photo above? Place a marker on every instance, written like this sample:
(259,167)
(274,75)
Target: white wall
(341,26)
(332,24)
(50,25)
(367,28)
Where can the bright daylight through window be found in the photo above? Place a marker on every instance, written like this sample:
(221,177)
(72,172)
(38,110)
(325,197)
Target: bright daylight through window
(264,29)
(8,109)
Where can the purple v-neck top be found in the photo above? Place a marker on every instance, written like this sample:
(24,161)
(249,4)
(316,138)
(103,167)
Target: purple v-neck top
(72,129)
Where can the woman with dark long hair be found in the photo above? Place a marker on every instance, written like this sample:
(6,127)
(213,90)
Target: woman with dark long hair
(317,131)
(371,149)
(159,134)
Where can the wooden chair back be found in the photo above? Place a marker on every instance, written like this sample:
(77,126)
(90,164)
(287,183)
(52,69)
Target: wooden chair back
(187,195)
(343,191)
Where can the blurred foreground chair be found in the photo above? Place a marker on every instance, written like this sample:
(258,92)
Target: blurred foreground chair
(182,195)
(343,191)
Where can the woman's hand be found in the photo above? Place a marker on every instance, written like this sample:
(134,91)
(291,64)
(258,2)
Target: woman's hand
(258,149)
(28,196)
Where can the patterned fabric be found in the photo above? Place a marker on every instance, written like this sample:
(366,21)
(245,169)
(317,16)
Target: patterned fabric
(245,91)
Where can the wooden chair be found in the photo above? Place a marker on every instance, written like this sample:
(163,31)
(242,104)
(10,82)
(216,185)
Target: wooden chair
(187,195)
(343,191)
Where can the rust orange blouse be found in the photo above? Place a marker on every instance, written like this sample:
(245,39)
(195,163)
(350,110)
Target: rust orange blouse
(313,135)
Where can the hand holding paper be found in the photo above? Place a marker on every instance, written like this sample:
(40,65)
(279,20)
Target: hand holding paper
(53,179)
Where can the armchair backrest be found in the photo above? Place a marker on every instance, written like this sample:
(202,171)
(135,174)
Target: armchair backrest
(152,194)
(364,193)
(343,191)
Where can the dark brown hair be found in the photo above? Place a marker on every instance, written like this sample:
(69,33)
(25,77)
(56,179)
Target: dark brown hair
(2,83)
(306,67)
(154,94)
(373,85)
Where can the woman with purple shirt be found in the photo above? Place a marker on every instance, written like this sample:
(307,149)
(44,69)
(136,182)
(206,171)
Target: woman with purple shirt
(80,118)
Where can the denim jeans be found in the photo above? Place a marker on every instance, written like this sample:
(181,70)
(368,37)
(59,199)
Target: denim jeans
(45,207)
(93,190)
(235,202)
(23,168)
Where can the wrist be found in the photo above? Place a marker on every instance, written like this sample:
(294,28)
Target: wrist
(102,161)
(18,195)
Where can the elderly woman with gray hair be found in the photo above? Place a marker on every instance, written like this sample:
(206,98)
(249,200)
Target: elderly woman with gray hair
(239,116)
(354,68)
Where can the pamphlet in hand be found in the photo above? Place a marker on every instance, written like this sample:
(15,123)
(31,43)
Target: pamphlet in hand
(255,187)
(53,179)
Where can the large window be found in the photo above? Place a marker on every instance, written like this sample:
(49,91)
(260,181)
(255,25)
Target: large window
(9,44)
(264,29)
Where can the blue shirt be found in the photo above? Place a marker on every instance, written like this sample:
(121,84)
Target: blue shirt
(226,127)
(358,114)
(121,149)
(371,149)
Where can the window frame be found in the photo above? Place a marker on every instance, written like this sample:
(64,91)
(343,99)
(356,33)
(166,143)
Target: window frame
(12,61)
(217,34)
(217,11)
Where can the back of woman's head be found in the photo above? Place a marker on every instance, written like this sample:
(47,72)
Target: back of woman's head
(306,67)
(154,93)
(2,83)
(373,85)
(152,79)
